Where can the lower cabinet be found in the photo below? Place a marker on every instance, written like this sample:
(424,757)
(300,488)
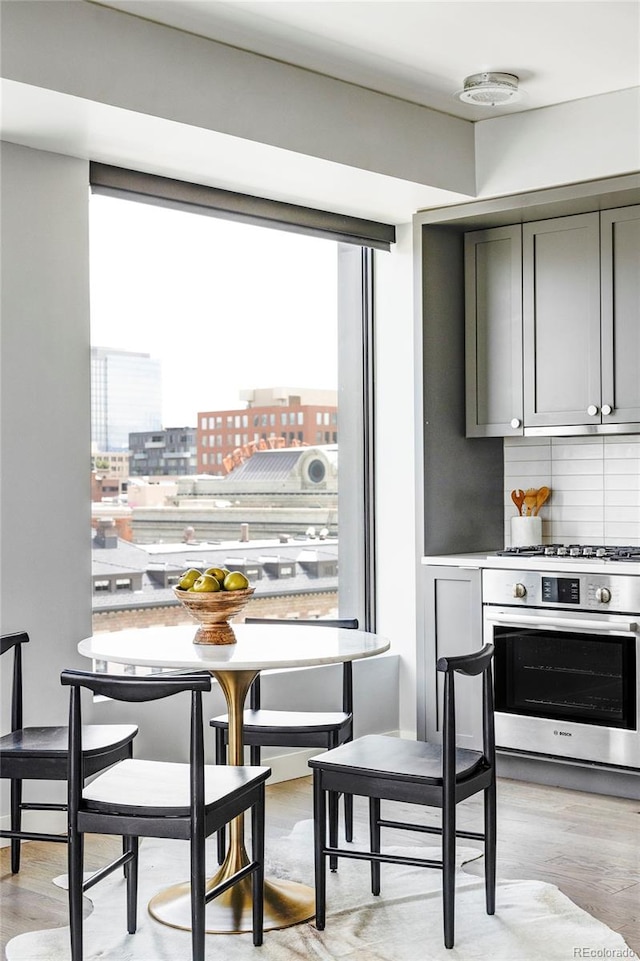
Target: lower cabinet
(453,625)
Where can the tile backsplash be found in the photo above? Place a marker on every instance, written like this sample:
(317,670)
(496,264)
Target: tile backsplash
(594,481)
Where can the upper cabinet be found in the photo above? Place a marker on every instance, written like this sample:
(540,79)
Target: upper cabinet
(561,316)
(620,288)
(493,332)
(576,317)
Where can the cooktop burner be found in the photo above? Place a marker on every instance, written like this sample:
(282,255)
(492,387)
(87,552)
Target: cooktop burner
(574,552)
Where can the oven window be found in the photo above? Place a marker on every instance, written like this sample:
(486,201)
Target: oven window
(566,676)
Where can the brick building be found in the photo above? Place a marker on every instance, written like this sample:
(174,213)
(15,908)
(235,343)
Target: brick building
(273,417)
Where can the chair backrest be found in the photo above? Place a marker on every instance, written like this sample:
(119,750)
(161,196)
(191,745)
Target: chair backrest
(134,689)
(471,665)
(15,642)
(348,623)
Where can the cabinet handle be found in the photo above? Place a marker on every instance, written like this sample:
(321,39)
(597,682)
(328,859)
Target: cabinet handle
(592,410)
(607,409)
(515,423)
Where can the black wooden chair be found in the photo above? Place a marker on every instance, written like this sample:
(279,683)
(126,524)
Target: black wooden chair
(415,772)
(263,728)
(138,798)
(41,754)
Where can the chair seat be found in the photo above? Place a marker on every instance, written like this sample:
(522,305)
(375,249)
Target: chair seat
(162,789)
(397,758)
(301,721)
(34,742)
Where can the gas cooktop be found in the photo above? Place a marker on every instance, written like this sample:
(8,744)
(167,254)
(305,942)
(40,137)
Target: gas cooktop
(575,552)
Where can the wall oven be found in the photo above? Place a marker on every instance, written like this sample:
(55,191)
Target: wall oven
(567,663)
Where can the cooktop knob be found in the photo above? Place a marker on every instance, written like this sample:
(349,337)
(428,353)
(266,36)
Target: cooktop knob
(603,595)
(519,590)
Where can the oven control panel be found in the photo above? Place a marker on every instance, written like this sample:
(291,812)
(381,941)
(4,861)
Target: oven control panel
(615,593)
(560,590)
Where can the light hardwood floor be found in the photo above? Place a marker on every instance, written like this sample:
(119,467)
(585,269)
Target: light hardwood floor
(586,844)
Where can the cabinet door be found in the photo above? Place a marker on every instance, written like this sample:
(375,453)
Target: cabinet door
(561,316)
(493,332)
(620,246)
(453,625)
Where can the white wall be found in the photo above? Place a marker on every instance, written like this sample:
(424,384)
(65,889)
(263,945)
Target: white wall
(45,545)
(398,399)
(568,143)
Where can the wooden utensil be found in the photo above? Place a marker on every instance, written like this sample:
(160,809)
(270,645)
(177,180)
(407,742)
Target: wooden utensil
(530,500)
(543,494)
(518,498)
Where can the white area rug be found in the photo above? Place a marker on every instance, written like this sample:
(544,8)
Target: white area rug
(533,920)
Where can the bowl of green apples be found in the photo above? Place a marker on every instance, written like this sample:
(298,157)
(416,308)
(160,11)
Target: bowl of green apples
(212,597)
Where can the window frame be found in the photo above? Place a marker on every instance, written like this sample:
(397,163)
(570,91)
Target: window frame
(356,242)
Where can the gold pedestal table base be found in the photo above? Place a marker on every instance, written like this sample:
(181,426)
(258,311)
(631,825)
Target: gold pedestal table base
(285,902)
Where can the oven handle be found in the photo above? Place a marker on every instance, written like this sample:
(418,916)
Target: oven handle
(602,627)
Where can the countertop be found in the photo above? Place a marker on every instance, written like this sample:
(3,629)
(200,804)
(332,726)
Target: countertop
(487,559)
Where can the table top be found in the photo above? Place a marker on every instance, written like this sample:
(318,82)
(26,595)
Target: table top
(257,647)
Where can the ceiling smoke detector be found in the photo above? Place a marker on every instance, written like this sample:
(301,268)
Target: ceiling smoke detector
(490,89)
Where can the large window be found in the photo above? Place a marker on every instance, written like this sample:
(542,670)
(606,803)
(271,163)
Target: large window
(200,321)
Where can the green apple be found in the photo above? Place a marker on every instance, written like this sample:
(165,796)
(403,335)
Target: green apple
(206,583)
(235,581)
(189,578)
(218,572)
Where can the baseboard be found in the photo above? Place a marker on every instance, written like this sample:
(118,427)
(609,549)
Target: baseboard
(45,822)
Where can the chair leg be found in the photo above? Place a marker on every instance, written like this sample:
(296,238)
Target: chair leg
(448,871)
(75,861)
(490,847)
(16,823)
(198,883)
(348,817)
(130,844)
(221,758)
(374,840)
(333,828)
(257,852)
(320,842)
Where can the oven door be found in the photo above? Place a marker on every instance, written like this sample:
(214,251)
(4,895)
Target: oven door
(566,684)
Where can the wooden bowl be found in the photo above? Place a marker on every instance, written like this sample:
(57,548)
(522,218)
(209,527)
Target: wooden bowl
(212,610)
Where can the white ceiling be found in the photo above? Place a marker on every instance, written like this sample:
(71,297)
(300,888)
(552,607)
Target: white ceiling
(422,51)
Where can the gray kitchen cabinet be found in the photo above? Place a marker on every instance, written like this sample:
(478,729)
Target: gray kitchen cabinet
(620,265)
(552,314)
(561,320)
(493,332)
(453,625)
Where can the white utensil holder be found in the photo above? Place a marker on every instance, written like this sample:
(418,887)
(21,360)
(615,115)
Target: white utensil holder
(526,531)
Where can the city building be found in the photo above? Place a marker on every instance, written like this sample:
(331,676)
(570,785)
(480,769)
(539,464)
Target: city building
(163,452)
(111,462)
(273,493)
(274,417)
(126,395)
(133,585)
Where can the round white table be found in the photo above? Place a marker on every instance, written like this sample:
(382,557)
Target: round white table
(256,647)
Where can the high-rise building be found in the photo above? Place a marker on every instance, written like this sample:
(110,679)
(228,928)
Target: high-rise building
(126,396)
